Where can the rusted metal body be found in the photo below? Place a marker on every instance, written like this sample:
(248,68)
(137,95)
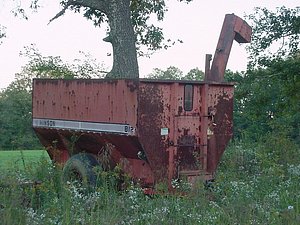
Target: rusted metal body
(234,28)
(182,127)
(155,130)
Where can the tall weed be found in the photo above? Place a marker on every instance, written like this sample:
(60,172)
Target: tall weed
(256,183)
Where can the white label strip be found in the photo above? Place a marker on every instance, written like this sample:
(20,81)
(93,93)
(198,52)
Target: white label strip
(86,126)
(164,131)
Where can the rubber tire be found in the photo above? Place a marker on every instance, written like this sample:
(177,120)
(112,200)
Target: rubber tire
(82,165)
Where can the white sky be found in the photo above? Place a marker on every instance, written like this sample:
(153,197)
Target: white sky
(198,24)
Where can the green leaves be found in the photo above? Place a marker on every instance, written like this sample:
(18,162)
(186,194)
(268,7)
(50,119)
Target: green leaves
(267,96)
(173,73)
(40,66)
(15,119)
(149,36)
(15,100)
(267,100)
(275,34)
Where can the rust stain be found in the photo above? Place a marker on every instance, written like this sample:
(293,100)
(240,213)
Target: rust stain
(150,121)
(221,126)
(172,139)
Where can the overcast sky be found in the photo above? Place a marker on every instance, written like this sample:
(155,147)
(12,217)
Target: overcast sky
(198,24)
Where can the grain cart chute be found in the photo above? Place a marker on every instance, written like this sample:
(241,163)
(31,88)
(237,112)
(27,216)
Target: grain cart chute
(155,130)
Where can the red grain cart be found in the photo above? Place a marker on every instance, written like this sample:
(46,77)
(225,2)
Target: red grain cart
(155,130)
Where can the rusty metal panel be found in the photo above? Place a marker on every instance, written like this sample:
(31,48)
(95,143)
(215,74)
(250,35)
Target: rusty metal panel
(220,124)
(171,136)
(181,131)
(138,170)
(86,100)
(188,128)
(153,117)
(67,114)
(234,28)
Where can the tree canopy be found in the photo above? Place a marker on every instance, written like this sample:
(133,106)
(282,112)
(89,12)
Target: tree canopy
(129,28)
(129,25)
(174,73)
(267,100)
(15,119)
(267,95)
(275,35)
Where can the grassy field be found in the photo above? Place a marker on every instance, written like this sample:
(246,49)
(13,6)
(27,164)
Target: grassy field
(256,183)
(20,159)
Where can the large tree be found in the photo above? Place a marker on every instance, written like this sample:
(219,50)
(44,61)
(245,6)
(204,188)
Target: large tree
(129,28)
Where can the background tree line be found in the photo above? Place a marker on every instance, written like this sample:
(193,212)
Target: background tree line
(267,95)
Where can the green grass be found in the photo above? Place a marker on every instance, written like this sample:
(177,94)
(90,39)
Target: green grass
(18,159)
(256,183)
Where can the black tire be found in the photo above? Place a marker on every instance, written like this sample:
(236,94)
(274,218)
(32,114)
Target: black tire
(81,168)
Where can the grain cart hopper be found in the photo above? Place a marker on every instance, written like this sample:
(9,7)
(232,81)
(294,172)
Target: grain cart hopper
(155,130)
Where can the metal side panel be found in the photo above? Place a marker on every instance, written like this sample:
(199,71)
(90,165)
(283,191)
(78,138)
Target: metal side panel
(83,126)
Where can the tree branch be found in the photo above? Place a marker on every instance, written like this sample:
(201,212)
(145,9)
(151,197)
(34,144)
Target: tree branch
(100,5)
(62,12)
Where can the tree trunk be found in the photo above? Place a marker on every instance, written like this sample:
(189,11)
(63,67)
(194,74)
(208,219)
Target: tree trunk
(121,35)
(123,40)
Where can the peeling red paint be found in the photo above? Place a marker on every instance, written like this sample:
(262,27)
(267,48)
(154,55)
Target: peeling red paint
(158,133)
(175,142)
